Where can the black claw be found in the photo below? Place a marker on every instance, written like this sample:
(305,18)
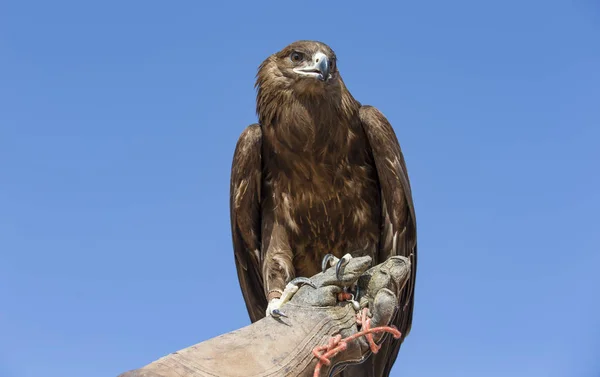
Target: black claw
(278,313)
(338,266)
(325,262)
(302,280)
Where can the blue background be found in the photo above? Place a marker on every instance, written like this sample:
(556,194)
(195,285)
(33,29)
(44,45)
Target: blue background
(118,122)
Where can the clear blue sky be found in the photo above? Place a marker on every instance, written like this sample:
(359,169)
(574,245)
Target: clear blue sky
(118,122)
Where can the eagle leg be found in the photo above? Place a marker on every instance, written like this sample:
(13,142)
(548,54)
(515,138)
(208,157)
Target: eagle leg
(274,308)
(332,260)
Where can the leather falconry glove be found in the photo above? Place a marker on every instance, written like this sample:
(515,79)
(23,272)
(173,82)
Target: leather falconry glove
(283,347)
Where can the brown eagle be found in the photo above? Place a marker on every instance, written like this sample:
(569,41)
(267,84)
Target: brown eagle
(319,174)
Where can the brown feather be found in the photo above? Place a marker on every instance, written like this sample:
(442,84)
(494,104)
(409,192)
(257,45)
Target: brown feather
(244,206)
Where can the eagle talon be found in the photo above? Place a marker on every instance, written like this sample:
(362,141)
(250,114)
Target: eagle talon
(345,259)
(276,313)
(290,290)
(326,261)
(302,280)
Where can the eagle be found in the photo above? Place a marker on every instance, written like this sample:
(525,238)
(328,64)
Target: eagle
(319,179)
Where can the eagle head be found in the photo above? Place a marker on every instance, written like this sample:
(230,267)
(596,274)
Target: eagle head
(303,67)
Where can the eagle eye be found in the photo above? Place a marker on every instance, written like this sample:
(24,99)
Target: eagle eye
(296,57)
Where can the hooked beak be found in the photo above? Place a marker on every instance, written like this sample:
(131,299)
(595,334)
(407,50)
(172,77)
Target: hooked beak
(318,68)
